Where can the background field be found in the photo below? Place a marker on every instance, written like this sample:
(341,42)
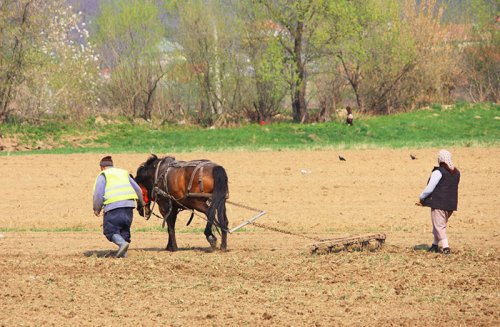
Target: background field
(458,125)
(54,269)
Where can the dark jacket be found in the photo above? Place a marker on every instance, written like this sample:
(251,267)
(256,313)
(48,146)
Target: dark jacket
(445,195)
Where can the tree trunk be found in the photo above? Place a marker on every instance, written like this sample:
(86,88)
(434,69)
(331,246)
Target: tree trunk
(148,105)
(299,86)
(5,98)
(354,78)
(359,100)
(299,101)
(217,73)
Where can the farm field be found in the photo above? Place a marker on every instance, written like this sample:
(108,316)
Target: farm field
(56,269)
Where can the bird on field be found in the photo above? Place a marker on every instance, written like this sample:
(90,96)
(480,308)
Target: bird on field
(341,158)
(412,157)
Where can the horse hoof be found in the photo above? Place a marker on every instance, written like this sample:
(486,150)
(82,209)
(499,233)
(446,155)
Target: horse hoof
(212,240)
(170,249)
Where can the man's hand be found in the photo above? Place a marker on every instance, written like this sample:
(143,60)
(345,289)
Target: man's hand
(140,210)
(97,213)
(419,203)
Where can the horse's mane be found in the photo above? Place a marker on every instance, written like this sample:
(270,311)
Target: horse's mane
(153,158)
(150,160)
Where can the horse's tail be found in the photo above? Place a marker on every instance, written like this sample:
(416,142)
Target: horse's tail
(219,195)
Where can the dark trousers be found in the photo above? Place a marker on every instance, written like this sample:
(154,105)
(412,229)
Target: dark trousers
(118,221)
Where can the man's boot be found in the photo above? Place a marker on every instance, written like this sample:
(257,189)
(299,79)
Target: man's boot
(122,245)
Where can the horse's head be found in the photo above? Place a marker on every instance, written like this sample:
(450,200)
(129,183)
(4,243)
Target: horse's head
(145,178)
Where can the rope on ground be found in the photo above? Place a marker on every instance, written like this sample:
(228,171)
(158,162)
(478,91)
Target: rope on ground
(263,226)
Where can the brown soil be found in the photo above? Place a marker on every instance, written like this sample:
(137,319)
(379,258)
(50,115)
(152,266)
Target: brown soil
(11,144)
(266,278)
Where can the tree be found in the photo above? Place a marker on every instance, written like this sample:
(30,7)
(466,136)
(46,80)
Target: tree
(16,29)
(128,34)
(300,21)
(481,55)
(330,85)
(371,51)
(43,68)
(208,34)
(395,55)
(266,55)
(436,68)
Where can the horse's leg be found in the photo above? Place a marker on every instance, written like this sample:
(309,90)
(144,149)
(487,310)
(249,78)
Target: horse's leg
(219,194)
(210,213)
(202,206)
(171,219)
(224,225)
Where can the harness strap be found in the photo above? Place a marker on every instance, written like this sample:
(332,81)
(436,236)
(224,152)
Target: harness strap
(200,176)
(153,191)
(200,179)
(166,194)
(153,194)
(165,180)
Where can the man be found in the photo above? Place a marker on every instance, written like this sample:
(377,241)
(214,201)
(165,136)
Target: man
(116,190)
(441,195)
(350,117)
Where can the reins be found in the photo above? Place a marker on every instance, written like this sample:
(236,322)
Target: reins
(153,195)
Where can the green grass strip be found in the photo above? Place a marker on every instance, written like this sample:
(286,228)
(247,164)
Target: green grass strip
(459,125)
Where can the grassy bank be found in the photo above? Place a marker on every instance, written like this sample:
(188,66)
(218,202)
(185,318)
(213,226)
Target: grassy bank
(459,125)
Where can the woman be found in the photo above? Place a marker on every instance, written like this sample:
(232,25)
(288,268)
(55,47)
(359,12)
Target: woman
(441,195)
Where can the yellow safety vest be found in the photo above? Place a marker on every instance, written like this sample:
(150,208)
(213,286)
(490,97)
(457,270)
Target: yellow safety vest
(118,187)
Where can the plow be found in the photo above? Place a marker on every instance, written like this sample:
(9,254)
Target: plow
(334,245)
(320,246)
(369,241)
(158,172)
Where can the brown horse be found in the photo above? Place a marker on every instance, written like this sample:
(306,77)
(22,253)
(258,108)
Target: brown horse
(199,185)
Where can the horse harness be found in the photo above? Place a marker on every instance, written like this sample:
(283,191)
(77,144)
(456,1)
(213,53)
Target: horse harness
(199,165)
(172,163)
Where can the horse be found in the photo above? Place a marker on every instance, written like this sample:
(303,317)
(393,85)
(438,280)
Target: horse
(200,185)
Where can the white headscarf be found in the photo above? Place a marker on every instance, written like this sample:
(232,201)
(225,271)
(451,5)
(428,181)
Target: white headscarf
(445,156)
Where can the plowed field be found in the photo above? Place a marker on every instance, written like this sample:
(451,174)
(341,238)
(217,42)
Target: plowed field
(56,267)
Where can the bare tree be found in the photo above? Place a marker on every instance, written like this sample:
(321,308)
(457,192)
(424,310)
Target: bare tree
(42,69)
(16,26)
(129,35)
(301,21)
